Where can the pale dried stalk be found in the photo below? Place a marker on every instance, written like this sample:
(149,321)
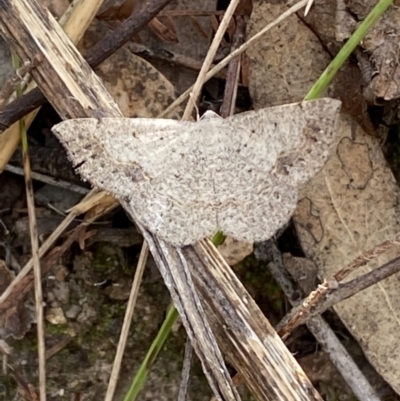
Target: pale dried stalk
(212,51)
(78,16)
(308,7)
(35,250)
(37,273)
(222,64)
(77,19)
(112,383)
(227,301)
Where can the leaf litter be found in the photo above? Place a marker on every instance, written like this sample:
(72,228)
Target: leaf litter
(257,82)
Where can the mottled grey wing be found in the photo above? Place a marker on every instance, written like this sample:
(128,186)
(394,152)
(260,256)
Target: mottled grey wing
(254,204)
(186,180)
(295,138)
(178,221)
(181,205)
(115,153)
(261,217)
(276,150)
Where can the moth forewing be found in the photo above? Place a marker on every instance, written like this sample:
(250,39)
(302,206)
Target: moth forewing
(189,180)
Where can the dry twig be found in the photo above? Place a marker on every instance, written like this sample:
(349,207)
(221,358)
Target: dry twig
(212,51)
(34,239)
(49,180)
(331,297)
(330,291)
(325,336)
(233,73)
(95,56)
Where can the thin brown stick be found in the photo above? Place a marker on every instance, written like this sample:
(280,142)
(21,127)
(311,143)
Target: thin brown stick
(36,265)
(96,55)
(212,51)
(342,292)
(11,84)
(317,300)
(348,289)
(233,73)
(49,180)
(34,239)
(324,335)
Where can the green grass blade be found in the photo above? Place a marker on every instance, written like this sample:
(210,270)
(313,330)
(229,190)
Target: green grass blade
(141,375)
(327,76)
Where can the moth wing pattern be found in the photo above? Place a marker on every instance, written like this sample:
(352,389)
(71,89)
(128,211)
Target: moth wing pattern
(179,222)
(114,153)
(181,204)
(262,218)
(296,137)
(187,180)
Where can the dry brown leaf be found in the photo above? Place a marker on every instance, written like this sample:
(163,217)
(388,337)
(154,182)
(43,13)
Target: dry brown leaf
(193,39)
(351,205)
(139,89)
(56,7)
(383,43)
(285,64)
(346,209)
